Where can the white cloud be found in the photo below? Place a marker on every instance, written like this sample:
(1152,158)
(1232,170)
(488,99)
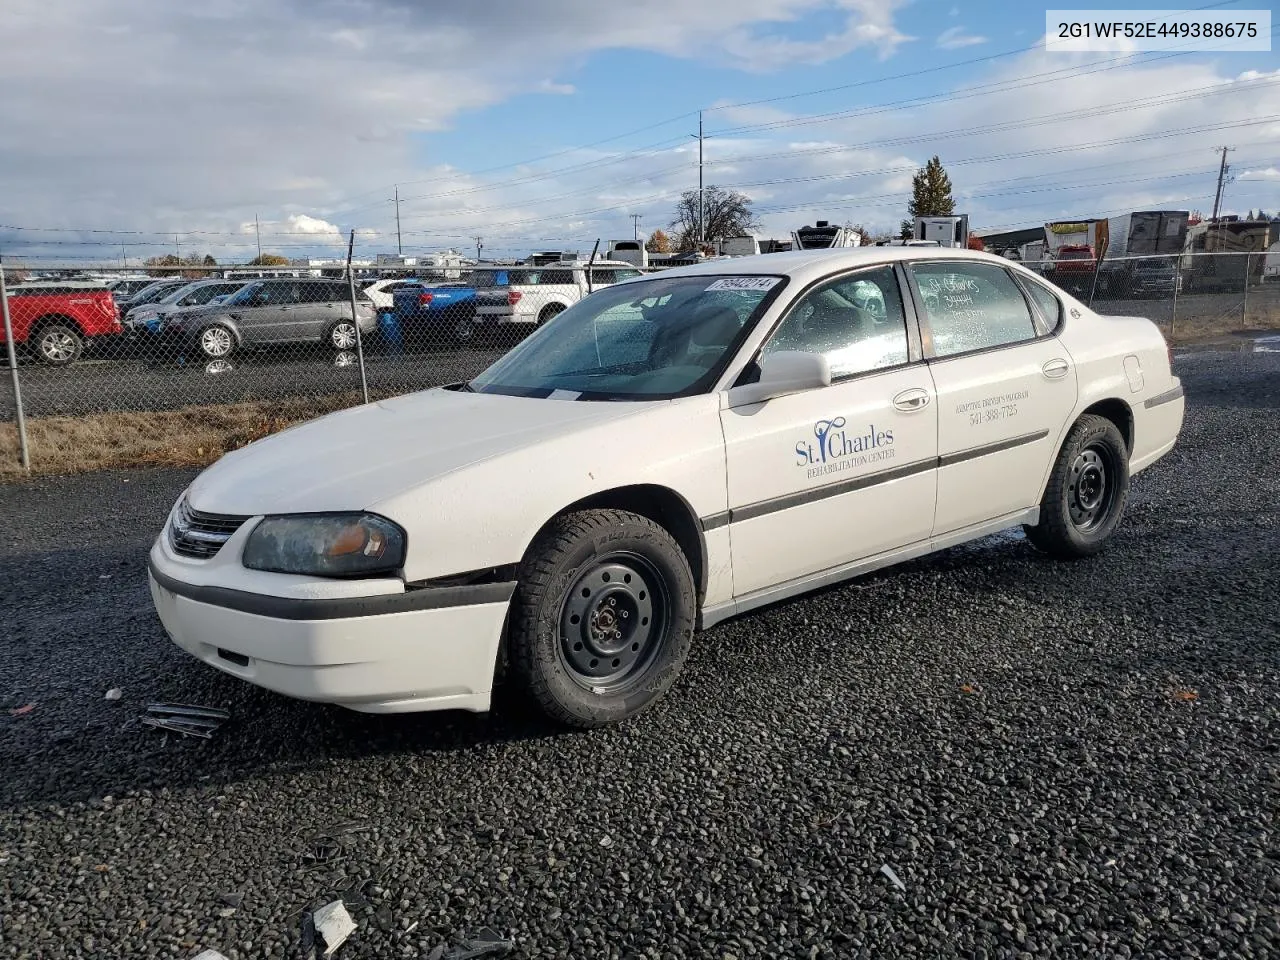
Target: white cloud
(550,86)
(953,38)
(198,136)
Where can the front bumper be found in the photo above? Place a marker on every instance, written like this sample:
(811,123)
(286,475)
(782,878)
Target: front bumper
(428,649)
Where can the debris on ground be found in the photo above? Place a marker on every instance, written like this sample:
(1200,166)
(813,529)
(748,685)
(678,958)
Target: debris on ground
(188,719)
(893,877)
(486,943)
(334,925)
(208,955)
(19,711)
(115,693)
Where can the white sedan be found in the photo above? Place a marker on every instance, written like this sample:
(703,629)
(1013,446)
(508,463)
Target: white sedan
(671,451)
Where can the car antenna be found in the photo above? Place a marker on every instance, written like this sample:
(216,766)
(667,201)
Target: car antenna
(590,263)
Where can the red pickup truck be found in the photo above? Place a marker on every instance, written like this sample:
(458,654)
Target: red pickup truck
(57,320)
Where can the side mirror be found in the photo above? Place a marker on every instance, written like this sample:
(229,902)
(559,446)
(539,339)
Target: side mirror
(782,373)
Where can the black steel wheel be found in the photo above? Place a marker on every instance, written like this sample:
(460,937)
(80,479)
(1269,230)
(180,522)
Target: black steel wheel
(602,618)
(1087,491)
(612,622)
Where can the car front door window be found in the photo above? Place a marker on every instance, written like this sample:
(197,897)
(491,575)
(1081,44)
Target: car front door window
(857,322)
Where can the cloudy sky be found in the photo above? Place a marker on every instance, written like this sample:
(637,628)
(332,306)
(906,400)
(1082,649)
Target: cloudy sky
(138,126)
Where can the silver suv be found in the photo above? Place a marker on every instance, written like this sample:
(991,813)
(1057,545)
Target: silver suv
(283,310)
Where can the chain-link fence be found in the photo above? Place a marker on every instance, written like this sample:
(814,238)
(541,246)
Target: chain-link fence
(115,369)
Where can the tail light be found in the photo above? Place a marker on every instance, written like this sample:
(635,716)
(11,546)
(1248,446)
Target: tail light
(424,299)
(513,297)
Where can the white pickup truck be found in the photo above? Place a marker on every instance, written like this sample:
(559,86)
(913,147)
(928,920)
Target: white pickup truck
(543,292)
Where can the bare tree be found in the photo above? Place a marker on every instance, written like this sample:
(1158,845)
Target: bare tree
(726,213)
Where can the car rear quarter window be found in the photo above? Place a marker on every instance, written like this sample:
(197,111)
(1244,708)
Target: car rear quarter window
(1048,302)
(971,306)
(856,321)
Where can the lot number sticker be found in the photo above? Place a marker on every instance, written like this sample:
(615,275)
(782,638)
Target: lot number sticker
(745,283)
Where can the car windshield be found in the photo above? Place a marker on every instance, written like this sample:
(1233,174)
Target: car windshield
(644,340)
(153,293)
(244,295)
(1156,263)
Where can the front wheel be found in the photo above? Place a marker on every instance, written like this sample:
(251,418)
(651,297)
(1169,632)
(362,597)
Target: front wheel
(602,619)
(59,344)
(1087,491)
(216,342)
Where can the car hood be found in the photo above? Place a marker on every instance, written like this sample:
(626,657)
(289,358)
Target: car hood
(355,458)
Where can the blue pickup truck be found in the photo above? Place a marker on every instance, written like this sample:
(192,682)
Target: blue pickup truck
(427,312)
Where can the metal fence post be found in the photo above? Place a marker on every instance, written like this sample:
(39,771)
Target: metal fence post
(355,319)
(24,449)
(1244,306)
(1177,285)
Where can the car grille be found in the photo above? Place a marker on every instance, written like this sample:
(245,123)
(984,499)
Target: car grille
(200,535)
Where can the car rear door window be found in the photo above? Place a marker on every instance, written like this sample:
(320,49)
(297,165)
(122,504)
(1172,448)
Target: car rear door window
(856,321)
(971,306)
(555,276)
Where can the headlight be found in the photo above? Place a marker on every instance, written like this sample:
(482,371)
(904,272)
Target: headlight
(326,545)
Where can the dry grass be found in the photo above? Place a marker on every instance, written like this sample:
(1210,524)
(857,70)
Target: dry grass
(189,437)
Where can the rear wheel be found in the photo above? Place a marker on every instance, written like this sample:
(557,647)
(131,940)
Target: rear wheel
(550,312)
(342,335)
(58,344)
(216,342)
(1087,491)
(602,620)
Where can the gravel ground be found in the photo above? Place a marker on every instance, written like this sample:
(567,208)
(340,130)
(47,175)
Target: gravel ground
(1056,760)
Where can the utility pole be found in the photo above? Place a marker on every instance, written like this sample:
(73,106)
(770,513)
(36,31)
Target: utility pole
(258,230)
(399,248)
(635,231)
(124,256)
(479,246)
(177,249)
(701,233)
(1222,179)
(701,225)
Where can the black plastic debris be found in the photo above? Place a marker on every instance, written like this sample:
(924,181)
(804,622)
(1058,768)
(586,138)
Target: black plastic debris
(486,943)
(188,719)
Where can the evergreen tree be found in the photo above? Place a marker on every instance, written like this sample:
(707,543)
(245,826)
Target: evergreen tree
(930,193)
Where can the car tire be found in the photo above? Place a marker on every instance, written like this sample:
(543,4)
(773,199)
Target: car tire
(602,618)
(341,336)
(464,331)
(216,342)
(58,344)
(550,312)
(1087,491)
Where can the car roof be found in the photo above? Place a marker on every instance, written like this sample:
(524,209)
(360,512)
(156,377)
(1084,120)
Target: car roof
(806,265)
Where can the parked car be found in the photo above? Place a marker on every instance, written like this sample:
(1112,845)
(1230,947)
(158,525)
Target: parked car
(532,296)
(58,320)
(667,453)
(126,287)
(427,311)
(1158,276)
(195,293)
(382,290)
(290,310)
(151,293)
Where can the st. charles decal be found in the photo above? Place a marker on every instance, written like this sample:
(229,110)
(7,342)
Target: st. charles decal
(833,448)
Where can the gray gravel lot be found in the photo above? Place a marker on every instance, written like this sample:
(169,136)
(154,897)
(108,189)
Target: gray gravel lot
(1057,760)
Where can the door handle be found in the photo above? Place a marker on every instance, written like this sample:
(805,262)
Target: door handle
(917,398)
(1055,369)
